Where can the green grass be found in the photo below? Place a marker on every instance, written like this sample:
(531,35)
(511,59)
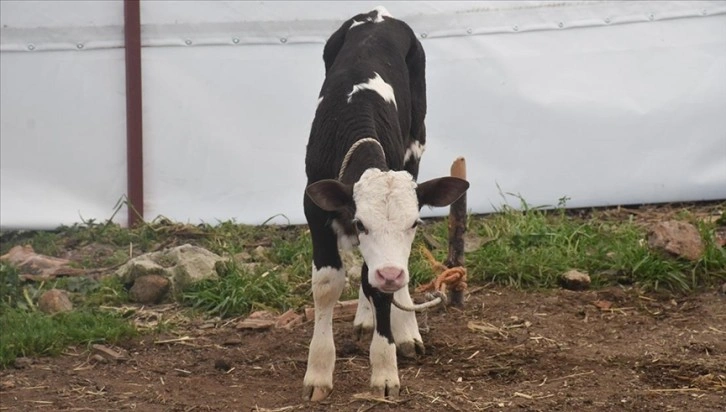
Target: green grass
(239,291)
(524,247)
(33,334)
(530,248)
(11,292)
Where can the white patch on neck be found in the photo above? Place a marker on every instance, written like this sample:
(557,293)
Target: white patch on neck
(358,23)
(416,150)
(378,85)
(381,12)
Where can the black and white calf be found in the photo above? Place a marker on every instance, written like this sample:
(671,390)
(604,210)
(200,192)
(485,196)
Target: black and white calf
(362,163)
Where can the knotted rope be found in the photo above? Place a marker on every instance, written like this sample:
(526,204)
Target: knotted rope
(446,278)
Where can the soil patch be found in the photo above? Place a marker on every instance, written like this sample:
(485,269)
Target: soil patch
(555,350)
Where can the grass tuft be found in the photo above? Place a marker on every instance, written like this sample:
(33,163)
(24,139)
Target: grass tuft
(34,333)
(239,291)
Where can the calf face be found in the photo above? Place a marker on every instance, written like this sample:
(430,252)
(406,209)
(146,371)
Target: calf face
(385,206)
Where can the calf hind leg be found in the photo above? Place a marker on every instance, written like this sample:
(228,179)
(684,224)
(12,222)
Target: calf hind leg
(405,327)
(363,322)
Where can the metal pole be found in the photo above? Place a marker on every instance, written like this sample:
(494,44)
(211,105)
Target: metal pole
(134,125)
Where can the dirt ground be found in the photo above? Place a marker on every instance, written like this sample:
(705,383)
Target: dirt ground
(554,350)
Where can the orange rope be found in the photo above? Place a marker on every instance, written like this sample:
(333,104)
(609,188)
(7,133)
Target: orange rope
(453,278)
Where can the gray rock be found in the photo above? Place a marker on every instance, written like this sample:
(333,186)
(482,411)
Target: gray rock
(22,363)
(575,280)
(182,266)
(676,238)
(149,289)
(55,301)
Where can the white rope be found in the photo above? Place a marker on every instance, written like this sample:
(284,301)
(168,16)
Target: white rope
(434,299)
(348,155)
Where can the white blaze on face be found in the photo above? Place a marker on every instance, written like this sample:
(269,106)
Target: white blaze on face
(386,205)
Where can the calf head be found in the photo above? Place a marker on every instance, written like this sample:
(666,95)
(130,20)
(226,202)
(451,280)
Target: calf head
(386,208)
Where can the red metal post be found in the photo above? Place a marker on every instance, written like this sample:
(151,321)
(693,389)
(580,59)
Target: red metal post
(134,125)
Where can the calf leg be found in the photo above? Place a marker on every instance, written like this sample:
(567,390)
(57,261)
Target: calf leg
(363,322)
(384,367)
(403,324)
(328,281)
(405,327)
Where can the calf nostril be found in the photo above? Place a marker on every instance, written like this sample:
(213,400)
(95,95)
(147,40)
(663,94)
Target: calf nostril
(390,274)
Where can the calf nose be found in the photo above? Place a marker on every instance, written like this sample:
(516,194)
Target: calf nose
(390,277)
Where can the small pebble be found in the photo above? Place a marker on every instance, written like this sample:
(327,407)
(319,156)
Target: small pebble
(222,364)
(99,359)
(22,363)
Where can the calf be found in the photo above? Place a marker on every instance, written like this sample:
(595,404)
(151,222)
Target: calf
(362,162)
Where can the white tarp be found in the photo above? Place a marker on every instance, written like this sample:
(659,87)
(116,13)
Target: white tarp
(602,102)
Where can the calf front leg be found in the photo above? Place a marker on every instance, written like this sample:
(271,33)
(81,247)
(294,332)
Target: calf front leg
(328,283)
(384,367)
(404,326)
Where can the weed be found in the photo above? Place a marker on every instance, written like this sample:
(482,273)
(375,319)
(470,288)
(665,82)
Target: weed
(11,293)
(34,333)
(109,291)
(238,291)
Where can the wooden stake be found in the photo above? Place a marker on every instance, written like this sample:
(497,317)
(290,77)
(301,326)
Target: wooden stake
(457,227)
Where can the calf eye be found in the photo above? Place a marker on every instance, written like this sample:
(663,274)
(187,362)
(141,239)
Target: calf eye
(359,225)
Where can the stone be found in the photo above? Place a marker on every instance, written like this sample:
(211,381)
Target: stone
(55,301)
(222,364)
(149,289)
(258,320)
(676,238)
(108,353)
(38,267)
(243,256)
(289,320)
(260,253)
(98,359)
(22,363)
(575,280)
(183,266)
(343,310)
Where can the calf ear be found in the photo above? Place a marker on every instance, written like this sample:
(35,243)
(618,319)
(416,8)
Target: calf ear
(330,195)
(441,192)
